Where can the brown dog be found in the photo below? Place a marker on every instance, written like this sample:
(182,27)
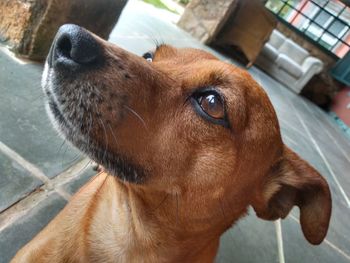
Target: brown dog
(188,143)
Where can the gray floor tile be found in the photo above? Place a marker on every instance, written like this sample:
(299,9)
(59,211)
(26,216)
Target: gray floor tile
(25,228)
(74,185)
(25,129)
(250,240)
(329,125)
(25,126)
(15,182)
(297,249)
(336,159)
(339,231)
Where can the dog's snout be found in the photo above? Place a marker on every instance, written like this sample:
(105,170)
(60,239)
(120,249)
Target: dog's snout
(73,47)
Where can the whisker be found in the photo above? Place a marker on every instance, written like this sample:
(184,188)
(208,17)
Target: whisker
(64,155)
(105,132)
(85,166)
(114,137)
(137,115)
(60,148)
(40,97)
(177,209)
(222,209)
(89,129)
(221,204)
(74,159)
(106,138)
(158,42)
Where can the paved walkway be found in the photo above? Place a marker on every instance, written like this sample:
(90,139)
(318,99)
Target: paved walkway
(39,173)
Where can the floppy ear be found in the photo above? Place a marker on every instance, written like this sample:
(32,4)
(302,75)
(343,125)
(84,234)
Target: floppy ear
(292,181)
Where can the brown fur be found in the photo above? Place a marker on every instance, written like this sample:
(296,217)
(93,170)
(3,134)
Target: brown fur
(199,178)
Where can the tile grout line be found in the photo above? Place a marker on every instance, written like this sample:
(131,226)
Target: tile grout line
(24,163)
(76,169)
(329,243)
(287,125)
(12,56)
(37,173)
(8,216)
(288,138)
(29,201)
(337,249)
(64,194)
(322,156)
(329,135)
(278,228)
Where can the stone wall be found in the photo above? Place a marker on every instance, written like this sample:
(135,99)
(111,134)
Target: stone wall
(203,18)
(19,18)
(29,26)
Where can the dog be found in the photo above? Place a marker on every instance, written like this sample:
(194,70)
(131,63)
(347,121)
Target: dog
(187,143)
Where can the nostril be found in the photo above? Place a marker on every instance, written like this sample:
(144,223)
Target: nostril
(64,46)
(75,47)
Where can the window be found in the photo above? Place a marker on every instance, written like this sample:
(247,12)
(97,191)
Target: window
(326,22)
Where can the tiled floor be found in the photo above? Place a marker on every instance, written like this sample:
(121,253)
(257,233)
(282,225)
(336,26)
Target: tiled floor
(32,155)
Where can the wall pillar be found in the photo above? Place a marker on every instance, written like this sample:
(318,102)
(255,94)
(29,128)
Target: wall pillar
(29,26)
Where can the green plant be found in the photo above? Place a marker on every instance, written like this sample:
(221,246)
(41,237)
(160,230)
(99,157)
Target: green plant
(184,2)
(159,4)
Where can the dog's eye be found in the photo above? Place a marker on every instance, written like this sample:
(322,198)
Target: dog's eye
(148,56)
(210,105)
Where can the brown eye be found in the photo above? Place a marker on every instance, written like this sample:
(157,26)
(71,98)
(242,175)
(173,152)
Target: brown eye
(212,105)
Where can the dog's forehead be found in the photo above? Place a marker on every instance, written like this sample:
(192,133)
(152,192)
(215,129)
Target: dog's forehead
(198,67)
(185,55)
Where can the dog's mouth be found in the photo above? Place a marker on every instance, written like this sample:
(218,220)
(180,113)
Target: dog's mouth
(82,113)
(84,132)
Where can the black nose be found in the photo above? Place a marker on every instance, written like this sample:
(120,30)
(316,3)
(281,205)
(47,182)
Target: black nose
(73,47)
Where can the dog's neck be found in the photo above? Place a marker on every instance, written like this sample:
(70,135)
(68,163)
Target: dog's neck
(156,224)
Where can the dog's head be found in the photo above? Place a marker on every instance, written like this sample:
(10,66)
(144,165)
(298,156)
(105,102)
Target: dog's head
(180,121)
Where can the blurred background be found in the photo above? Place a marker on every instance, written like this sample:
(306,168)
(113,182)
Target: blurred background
(297,50)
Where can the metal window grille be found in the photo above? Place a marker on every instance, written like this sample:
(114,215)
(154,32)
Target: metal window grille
(324,22)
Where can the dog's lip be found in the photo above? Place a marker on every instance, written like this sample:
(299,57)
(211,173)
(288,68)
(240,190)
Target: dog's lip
(121,166)
(56,111)
(49,58)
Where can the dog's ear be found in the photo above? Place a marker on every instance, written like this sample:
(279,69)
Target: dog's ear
(292,181)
